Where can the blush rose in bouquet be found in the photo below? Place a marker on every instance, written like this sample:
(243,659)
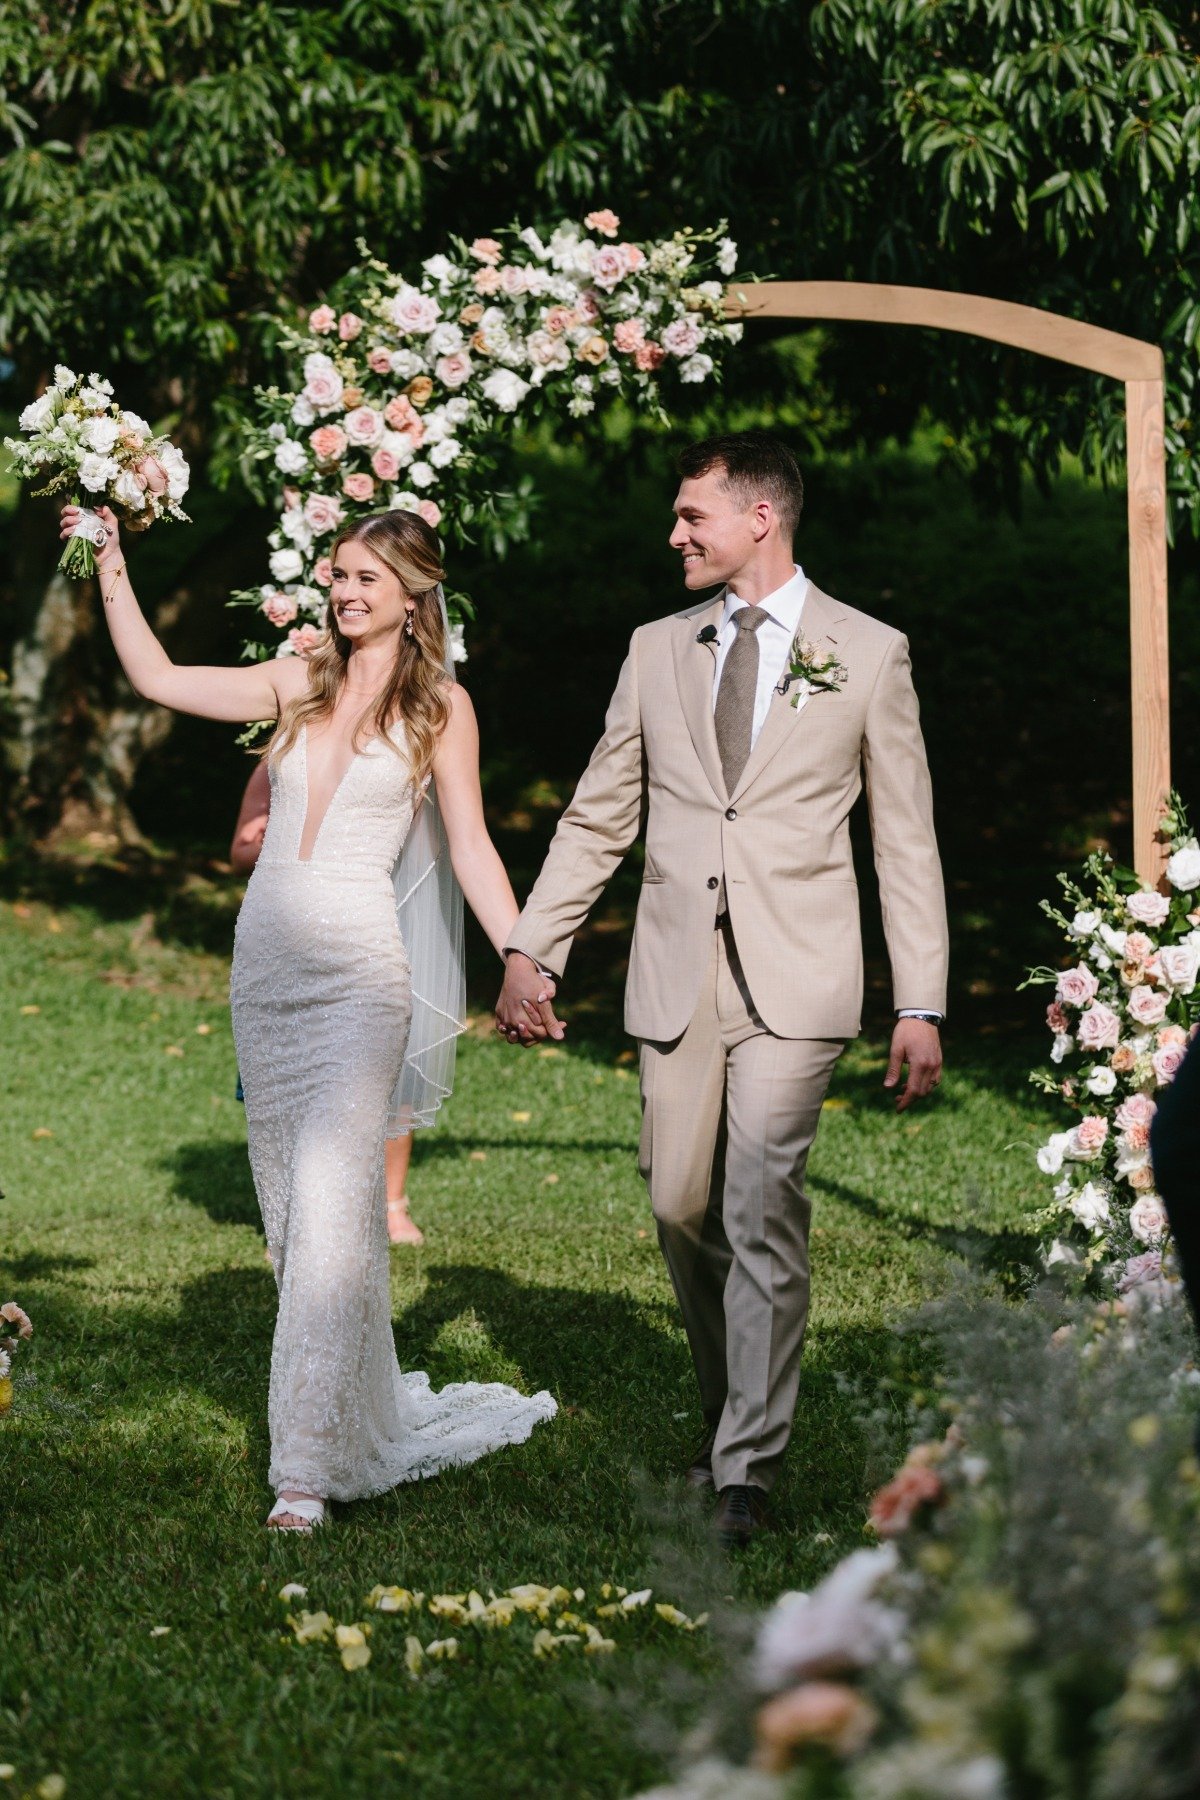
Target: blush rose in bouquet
(79,439)
(1126,1003)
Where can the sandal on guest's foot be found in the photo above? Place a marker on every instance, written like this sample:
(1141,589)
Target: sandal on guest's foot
(296,1515)
(402,1227)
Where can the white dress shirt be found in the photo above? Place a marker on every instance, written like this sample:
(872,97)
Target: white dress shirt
(775,634)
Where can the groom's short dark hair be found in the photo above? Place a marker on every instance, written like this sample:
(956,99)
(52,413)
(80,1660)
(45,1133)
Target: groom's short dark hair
(757,466)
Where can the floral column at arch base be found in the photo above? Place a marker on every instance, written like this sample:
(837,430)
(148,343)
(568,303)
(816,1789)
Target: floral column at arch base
(405,391)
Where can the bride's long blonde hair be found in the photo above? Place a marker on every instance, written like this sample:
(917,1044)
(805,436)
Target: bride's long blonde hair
(418,689)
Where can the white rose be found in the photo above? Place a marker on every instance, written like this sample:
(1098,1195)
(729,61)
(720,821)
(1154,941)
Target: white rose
(458,411)
(1148,1219)
(303,410)
(95,473)
(696,368)
(406,364)
(291,457)
(1061,1253)
(287,565)
(439,269)
(727,256)
(1101,1081)
(1130,1161)
(1050,1156)
(405,502)
(1180,964)
(39,413)
(295,526)
(504,389)
(421,475)
(1113,941)
(178,473)
(1090,1207)
(135,422)
(127,491)
(1084,923)
(444,453)
(444,340)
(1183,869)
(458,648)
(100,434)
(413,311)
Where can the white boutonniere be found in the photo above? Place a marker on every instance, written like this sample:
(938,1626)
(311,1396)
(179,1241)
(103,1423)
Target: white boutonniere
(813,671)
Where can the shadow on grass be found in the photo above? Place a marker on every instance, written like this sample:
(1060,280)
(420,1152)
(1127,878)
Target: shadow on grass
(216,1177)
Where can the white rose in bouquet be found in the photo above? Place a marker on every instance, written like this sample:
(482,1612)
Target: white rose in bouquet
(1148,1219)
(286,565)
(1183,867)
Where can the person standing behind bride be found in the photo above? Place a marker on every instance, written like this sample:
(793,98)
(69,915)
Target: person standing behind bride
(322,994)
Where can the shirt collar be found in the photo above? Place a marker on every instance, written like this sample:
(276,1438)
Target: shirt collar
(784,605)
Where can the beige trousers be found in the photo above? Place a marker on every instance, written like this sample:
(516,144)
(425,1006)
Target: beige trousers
(729,1113)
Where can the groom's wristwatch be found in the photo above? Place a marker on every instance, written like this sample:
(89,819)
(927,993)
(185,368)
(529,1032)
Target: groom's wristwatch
(930,1018)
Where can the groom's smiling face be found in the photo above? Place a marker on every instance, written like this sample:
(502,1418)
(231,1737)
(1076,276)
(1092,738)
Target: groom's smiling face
(715,533)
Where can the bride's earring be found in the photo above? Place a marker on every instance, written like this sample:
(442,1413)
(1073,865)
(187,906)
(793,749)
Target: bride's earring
(408,623)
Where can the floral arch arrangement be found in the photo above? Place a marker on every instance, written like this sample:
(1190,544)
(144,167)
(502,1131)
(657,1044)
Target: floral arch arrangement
(404,391)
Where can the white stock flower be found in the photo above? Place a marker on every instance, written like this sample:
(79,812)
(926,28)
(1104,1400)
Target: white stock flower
(532,241)
(580,405)
(310,600)
(5,1364)
(95,472)
(277,432)
(128,492)
(1084,923)
(135,422)
(303,410)
(839,1626)
(696,368)
(1090,1206)
(458,411)
(95,399)
(1129,1161)
(100,434)
(504,389)
(1101,958)
(1148,1219)
(440,269)
(421,475)
(405,502)
(1113,940)
(444,452)
(1101,1080)
(727,256)
(1183,868)
(64,378)
(286,565)
(39,413)
(1061,1253)
(1050,1156)
(291,458)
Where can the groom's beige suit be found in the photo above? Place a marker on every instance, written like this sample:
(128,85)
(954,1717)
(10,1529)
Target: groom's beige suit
(745,976)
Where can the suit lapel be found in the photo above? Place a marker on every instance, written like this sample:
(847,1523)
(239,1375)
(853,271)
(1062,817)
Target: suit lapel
(694,665)
(823,623)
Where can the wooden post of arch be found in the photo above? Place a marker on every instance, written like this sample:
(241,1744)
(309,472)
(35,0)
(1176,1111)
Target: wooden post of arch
(1140,366)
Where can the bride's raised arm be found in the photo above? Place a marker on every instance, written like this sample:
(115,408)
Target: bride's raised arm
(238,695)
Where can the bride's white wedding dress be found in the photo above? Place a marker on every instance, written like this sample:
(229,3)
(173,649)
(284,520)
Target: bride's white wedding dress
(321,999)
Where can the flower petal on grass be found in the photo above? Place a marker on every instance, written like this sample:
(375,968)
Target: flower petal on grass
(311,1627)
(394,1600)
(351,1641)
(414,1656)
(442,1649)
(294,1590)
(160,1631)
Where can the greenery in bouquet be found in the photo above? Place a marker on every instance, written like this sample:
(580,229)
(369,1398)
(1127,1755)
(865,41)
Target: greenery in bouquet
(80,441)
(405,389)
(15,1329)
(1124,1008)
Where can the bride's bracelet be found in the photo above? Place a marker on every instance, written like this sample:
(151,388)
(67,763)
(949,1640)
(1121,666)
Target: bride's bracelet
(118,571)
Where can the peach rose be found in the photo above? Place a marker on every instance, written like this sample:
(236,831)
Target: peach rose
(352,397)
(1077,986)
(359,487)
(629,335)
(1142,1178)
(898,1502)
(1147,1007)
(323,512)
(1138,947)
(402,416)
(1124,1059)
(279,609)
(487,281)
(322,319)
(634,258)
(593,350)
(471,315)
(328,443)
(420,390)
(649,356)
(1099,1029)
(558,319)
(349,326)
(605,221)
(386,464)
(486,250)
(1090,1133)
(323,573)
(380,362)
(1136,1137)
(1171,1034)
(304,639)
(151,475)
(431,512)
(820,1712)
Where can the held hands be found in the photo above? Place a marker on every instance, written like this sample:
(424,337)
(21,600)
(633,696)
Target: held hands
(106,554)
(917,1043)
(524,1014)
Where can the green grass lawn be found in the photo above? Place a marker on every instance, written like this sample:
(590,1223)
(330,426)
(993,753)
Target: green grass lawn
(136,1454)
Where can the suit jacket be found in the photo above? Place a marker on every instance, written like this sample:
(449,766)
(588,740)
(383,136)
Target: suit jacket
(780,839)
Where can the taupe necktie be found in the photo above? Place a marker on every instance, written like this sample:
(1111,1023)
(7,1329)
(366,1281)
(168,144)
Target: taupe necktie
(736,695)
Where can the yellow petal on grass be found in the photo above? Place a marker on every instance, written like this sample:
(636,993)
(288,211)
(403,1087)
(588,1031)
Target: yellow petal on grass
(394,1600)
(43,1131)
(596,1643)
(549,1180)
(293,1590)
(204,1031)
(442,1649)
(51,1787)
(452,1607)
(549,1051)
(351,1641)
(160,1631)
(27,1012)
(414,1655)
(673,1616)
(311,1627)
(520,1118)
(631,1602)
(477,1156)
(173,1049)
(835,1104)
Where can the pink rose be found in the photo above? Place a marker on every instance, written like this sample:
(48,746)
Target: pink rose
(1056,1017)
(1138,1109)
(1138,947)
(323,388)
(589,308)
(1171,1034)
(453,370)
(897,1504)
(1148,907)
(681,337)
(413,311)
(12,1314)
(151,475)
(634,258)
(486,250)
(1136,1138)
(431,512)
(608,268)
(364,425)
(513,280)
(328,443)
(323,512)
(386,464)
(1077,986)
(1180,965)
(487,281)
(402,415)
(1147,1007)
(1099,1028)
(1090,1134)
(358,487)
(605,221)
(1166,1062)
(279,609)
(629,335)
(303,639)
(649,356)
(349,326)
(558,319)
(323,573)
(380,362)
(323,319)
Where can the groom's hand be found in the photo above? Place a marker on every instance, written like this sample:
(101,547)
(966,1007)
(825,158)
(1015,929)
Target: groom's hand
(524,1014)
(917,1043)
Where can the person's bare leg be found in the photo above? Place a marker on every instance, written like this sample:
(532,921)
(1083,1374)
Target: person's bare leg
(402,1229)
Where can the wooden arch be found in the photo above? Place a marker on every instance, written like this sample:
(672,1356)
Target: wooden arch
(1140,366)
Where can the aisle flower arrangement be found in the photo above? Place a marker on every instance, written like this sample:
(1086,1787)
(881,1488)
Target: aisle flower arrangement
(1125,1005)
(16,1329)
(405,387)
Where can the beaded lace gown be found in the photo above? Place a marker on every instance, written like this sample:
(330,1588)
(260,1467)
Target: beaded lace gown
(321,998)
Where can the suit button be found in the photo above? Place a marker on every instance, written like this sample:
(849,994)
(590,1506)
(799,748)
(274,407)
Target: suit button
(731,812)
(713,882)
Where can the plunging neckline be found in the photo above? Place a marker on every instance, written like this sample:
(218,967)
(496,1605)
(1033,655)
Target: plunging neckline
(330,803)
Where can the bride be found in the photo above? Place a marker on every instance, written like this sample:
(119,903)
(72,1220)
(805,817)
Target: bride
(322,994)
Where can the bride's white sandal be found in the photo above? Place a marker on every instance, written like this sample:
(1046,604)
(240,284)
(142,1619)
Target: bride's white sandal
(312,1512)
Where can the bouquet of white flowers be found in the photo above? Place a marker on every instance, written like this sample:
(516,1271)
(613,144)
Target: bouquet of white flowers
(78,436)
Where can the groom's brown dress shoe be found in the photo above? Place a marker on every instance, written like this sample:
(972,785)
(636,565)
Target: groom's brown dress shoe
(740,1514)
(699,1473)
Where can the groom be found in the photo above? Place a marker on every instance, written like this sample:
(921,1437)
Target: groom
(744,729)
